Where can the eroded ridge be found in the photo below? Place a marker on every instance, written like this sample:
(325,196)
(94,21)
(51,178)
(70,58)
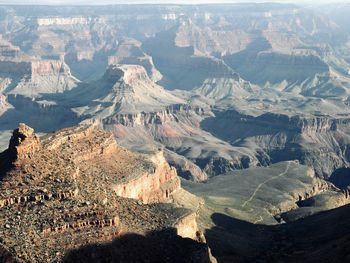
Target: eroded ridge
(62,191)
(21,200)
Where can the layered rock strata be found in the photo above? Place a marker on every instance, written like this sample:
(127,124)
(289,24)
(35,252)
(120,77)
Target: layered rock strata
(58,193)
(279,137)
(33,68)
(139,177)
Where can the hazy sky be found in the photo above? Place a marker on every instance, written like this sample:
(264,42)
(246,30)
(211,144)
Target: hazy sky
(102,2)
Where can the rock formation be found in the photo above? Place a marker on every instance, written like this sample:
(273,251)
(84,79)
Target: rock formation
(23,142)
(279,137)
(234,57)
(231,95)
(74,187)
(29,75)
(130,52)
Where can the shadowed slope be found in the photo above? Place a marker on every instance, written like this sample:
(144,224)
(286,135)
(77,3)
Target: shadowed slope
(324,237)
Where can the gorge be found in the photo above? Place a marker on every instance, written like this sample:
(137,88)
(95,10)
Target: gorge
(192,133)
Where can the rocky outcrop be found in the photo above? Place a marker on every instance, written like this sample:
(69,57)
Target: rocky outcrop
(23,143)
(41,68)
(84,145)
(21,73)
(185,168)
(319,187)
(129,52)
(187,227)
(32,77)
(75,187)
(147,118)
(220,165)
(127,88)
(82,152)
(152,187)
(48,67)
(300,124)
(41,196)
(79,225)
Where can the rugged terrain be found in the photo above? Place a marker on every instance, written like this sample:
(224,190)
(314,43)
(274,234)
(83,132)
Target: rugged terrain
(248,102)
(77,187)
(286,60)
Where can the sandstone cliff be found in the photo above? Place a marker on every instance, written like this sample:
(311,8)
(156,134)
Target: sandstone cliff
(74,187)
(23,143)
(40,68)
(148,179)
(47,67)
(153,187)
(30,74)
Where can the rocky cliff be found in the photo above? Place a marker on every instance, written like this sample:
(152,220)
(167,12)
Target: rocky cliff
(178,128)
(209,41)
(60,192)
(279,137)
(62,21)
(123,89)
(148,179)
(31,78)
(47,67)
(23,143)
(154,187)
(146,118)
(174,127)
(40,68)
(219,89)
(130,52)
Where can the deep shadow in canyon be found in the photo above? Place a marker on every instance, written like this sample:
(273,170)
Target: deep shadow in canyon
(158,246)
(323,237)
(341,178)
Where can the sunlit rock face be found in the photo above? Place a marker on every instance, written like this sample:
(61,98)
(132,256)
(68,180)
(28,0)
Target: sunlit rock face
(79,183)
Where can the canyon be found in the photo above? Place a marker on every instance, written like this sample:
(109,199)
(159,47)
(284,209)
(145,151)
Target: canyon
(227,124)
